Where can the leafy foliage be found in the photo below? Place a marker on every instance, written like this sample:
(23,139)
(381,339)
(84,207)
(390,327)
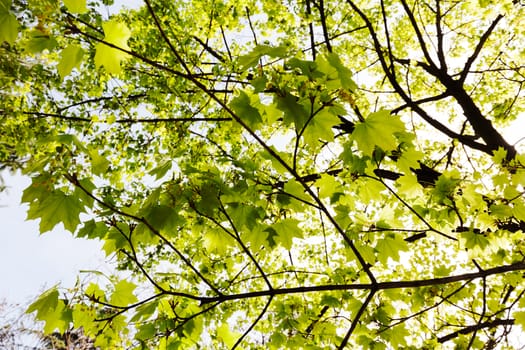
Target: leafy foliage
(268,174)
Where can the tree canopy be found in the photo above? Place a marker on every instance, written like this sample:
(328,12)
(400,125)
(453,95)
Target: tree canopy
(275,174)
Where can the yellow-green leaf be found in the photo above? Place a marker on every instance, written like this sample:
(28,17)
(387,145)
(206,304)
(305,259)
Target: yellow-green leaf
(287,229)
(8,26)
(56,208)
(519,316)
(116,33)
(242,107)
(123,294)
(99,164)
(475,240)
(45,303)
(225,335)
(40,41)
(76,6)
(389,247)
(378,129)
(70,58)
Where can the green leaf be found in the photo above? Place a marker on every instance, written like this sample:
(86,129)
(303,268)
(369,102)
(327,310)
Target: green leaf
(225,335)
(51,310)
(39,41)
(330,301)
(475,240)
(444,188)
(123,294)
(501,211)
(39,188)
(256,236)
(518,210)
(389,247)
(499,155)
(8,23)
(519,316)
(327,186)
(84,316)
(287,230)
(217,241)
(116,33)
(367,252)
(308,68)
(59,319)
(409,186)
(252,59)
(93,230)
(378,129)
(76,6)
(161,170)
(295,189)
(71,57)
(333,67)
(99,164)
(5,5)
(164,218)
(293,112)
(245,215)
(115,239)
(144,311)
(95,292)
(45,304)
(56,208)
(241,105)
(320,128)
(146,331)
(397,336)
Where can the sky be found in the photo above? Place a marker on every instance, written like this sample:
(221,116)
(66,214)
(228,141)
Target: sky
(30,262)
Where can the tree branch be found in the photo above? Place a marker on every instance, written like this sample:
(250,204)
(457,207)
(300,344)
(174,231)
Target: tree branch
(478,48)
(519,266)
(475,328)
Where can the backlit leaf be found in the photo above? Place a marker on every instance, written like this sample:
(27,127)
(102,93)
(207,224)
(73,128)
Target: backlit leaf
(8,23)
(40,41)
(293,112)
(475,240)
(242,107)
(378,129)
(287,230)
(116,33)
(71,57)
(123,294)
(251,59)
(56,208)
(45,303)
(389,247)
(76,6)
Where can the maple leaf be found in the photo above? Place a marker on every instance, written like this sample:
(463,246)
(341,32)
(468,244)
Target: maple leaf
(56,208)
(71,57)
(76,6)
(123,293)
(8,23)
(116,33)
(378,129)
